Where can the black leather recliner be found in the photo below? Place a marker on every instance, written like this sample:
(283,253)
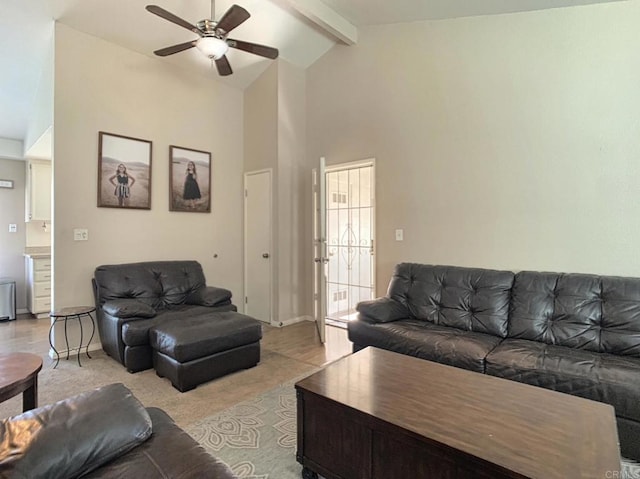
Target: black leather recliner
(574,333)
(132,298)
(102,433)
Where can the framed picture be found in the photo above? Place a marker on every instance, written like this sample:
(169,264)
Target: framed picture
(124,172)
(189,180)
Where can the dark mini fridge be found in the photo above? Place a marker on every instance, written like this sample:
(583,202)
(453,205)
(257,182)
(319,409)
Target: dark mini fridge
(7,299)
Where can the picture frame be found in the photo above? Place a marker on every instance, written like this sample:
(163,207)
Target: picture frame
(189,180)
(124,172)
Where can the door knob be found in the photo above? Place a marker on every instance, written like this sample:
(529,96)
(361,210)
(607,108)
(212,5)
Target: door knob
(265,255)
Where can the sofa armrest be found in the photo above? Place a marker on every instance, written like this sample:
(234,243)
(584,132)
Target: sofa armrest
(73,437)
(209,296)
(128,308)
(383,310)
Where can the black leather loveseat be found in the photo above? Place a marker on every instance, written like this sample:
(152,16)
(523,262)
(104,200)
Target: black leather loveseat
(133,298)
(103,433)
(574,333)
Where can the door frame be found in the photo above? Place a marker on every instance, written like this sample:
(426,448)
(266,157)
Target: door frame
(319,249)
(361,164)
(272,256)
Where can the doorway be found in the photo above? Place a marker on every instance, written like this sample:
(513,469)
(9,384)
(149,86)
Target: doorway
(349,259)
(257,245)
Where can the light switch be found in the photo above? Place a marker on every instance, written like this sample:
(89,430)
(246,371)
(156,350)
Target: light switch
(80,234)
(399,235)
(13,228)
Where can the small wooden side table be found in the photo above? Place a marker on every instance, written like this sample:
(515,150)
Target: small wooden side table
(63,315)
(19,374)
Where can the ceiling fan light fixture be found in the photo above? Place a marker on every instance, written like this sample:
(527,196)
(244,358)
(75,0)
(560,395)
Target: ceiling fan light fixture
(212,47)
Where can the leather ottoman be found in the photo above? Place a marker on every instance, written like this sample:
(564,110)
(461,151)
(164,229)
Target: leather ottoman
(198,349)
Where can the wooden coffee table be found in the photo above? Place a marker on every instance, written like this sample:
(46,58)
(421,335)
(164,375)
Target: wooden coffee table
(19,374)
(378,414)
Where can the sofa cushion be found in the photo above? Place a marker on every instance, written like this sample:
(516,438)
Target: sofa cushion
(600,377)
(73,436)
(209,296)
(169,453)
(580,311)
(470,299)
(159,284)
(382,310)
(195,337)
(464,349)
(128,308)
(136,333)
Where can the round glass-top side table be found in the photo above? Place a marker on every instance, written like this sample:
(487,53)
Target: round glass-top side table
(75,312)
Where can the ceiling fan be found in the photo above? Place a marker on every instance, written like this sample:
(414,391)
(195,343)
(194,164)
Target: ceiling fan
(213,41)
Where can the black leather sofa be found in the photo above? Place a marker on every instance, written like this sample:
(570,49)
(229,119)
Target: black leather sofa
(574,333)
(103,433)
(133,298)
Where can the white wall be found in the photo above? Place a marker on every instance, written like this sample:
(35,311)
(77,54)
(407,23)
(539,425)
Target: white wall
(41,111)
(275,128)
(293,199)
(11,149)
(12,263)
(506,141)
(102,87)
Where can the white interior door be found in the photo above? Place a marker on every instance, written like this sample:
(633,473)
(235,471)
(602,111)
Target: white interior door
(320,249)
(257,251)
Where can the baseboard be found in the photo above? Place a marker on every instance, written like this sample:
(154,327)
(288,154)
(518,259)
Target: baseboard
(22,311)
(289,322)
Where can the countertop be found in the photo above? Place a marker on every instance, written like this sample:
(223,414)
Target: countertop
(37,252)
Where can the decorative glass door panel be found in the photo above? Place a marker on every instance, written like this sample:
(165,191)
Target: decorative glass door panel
(350,221)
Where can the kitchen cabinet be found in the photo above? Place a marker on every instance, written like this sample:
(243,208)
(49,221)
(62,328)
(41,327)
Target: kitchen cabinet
(38,200)
(39,285)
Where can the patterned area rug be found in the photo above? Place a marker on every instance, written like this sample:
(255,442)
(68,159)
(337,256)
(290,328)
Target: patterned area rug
(257,438)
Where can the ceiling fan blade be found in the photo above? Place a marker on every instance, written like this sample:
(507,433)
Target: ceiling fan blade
(262,50)
(163,52)
(232,18)
(161,12)
(222,64)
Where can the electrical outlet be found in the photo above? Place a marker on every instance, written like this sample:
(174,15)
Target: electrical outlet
(13,228)
(399,235)
(80,234)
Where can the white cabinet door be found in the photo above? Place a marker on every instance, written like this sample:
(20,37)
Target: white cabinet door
(38,191)
(39,286)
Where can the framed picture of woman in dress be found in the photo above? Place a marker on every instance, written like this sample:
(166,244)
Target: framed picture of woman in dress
(124,172)
(189,180)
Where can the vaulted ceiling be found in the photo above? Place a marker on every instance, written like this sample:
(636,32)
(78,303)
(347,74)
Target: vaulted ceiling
(303,30)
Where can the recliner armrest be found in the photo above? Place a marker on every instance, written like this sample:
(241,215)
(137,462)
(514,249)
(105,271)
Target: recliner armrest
(73,437)
(209,296)
(128,308)
(383,310)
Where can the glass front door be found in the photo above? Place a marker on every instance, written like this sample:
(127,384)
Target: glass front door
(350,239)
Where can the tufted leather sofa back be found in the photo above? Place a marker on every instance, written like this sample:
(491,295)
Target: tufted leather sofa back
(160,284)
(595,313)
(470,299)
